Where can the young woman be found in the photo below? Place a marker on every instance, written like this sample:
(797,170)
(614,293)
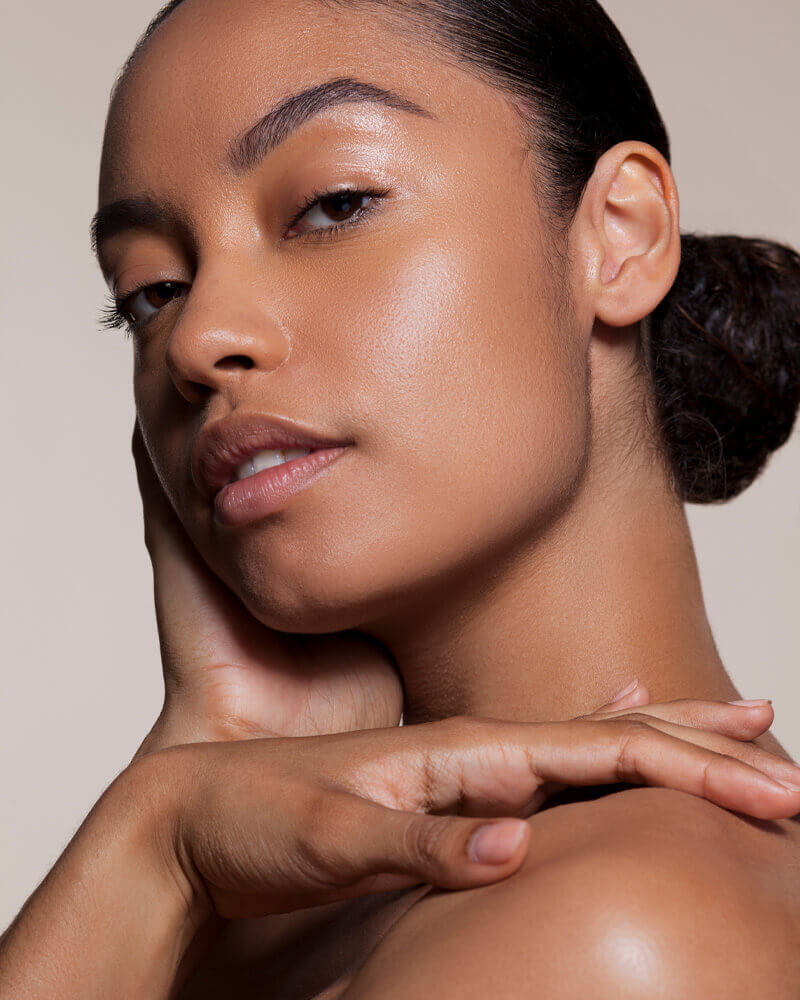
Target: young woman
(424,372)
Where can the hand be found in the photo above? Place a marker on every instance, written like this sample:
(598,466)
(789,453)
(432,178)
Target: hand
(213,830)
(229,677)
(270,826)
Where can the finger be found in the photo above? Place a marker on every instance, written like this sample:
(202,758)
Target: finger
(488,767)
(736,721)
(200,621)
(352,847)
(370,848)
(630,696)
(756,757)
(648,753)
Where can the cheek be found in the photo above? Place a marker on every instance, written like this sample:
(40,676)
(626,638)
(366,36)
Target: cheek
(470,416)
(482,406)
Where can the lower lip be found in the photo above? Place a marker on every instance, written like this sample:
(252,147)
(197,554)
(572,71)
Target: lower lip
(250,499)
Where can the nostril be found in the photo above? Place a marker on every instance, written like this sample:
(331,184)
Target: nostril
(235,361)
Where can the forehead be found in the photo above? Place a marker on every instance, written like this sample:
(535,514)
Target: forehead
(214,68)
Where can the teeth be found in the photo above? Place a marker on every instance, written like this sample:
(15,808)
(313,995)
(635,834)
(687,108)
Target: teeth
(267,459)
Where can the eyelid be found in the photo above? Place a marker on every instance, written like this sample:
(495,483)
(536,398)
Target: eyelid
(112,314)
(376,194)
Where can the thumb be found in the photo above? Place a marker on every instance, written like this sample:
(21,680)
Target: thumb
(387,848)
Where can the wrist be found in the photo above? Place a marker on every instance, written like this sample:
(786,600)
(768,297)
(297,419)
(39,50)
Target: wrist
(109,919)
(152,794)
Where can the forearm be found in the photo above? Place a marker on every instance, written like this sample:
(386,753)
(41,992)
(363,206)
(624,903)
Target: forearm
(108,920)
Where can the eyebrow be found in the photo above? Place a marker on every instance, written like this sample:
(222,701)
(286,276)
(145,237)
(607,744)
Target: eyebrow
(247,151)
(140,212)
(278,123)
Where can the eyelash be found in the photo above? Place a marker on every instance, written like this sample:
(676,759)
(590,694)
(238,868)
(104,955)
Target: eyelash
(112,313)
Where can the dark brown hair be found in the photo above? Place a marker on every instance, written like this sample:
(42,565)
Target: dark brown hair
(724,345)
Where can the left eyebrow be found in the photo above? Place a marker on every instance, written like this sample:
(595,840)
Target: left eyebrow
(279,122)
(245,153)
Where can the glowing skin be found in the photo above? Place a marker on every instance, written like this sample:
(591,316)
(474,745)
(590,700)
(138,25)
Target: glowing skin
(436,335)
(502,523)
(469,419)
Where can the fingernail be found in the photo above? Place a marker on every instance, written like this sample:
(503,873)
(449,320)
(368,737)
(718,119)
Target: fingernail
(624,691)
(756,701)
(494,843)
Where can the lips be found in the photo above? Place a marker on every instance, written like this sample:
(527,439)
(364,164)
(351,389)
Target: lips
(222,446)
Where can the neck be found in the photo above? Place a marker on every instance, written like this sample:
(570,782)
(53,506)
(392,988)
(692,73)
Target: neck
(609,592)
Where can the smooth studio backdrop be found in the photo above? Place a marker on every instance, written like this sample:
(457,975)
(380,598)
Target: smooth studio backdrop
(81,680)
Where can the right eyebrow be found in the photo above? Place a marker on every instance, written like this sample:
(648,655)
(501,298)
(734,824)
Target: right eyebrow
(244,153)
(140,212)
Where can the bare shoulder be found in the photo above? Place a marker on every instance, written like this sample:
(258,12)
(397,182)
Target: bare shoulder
(644,893)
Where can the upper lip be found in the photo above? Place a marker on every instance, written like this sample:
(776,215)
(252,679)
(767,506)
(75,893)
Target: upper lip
(222,446)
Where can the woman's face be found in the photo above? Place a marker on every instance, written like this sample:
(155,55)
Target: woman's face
(431,332)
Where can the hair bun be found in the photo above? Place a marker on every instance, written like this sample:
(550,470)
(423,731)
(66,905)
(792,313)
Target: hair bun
(724,351)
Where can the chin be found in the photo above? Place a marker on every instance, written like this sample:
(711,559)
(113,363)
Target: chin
(304,583)
(340,560)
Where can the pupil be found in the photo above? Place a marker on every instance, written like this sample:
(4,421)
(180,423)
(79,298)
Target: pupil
(342,205)
(160,291)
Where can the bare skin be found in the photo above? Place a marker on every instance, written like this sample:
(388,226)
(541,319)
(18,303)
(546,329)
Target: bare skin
(252,828)
(503,527)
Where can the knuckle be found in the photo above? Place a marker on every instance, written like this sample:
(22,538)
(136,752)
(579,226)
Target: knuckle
(713,770)
(425,839)
(629,734)
(705,778)
(426,782)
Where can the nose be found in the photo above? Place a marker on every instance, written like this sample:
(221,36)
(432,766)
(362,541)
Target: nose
(218,337)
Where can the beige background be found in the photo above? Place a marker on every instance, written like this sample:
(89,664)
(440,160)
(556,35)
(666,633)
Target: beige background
(80,670)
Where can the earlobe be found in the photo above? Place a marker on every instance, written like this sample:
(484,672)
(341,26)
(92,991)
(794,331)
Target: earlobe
(632,212)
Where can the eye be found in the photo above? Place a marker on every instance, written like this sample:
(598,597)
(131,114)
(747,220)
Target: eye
(138,306)
(325,213)
(144,302)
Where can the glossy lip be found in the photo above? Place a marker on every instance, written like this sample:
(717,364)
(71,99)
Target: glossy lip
(222,446)
(254,497)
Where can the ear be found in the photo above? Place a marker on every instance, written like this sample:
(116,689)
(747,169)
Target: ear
(628,229)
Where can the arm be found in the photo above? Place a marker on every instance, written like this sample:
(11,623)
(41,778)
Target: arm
(107,920)
(227,676)
(253,827)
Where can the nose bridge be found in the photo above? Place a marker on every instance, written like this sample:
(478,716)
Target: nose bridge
(224,328)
